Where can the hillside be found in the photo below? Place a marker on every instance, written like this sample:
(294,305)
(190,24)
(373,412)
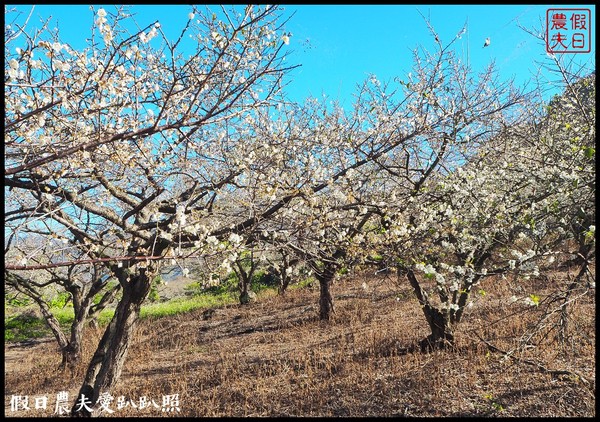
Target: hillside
(275,358)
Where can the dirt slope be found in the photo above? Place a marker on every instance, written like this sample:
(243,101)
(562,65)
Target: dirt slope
(275,358)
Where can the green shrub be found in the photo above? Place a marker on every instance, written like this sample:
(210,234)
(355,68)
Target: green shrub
(193,288)
(178,306)
(24,326)
(225,286)
(17,301)
(263,279)
(375,257)
(307,282)
(60,300)
(153,295)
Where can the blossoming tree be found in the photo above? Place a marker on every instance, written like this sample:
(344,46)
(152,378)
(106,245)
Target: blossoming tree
(140,149)
(518,201)
(135,141)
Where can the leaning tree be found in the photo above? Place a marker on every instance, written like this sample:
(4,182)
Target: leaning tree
(89,293)
(44,249)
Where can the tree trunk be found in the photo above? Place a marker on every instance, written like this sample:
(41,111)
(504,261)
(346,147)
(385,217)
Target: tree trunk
(94,367)
(54,325)
(23,285)
(284,276)
(325,278)
(284,282)
(81,304)
(439,322)
(441,330)
(72,352)
(243,286)
(244,295)
(108,360)
(245,278)
(563,322)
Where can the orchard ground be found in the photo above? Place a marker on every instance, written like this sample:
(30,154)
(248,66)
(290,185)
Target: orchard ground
(275,358)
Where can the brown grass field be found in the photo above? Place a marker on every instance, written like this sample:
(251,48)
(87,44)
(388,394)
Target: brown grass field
(275,358)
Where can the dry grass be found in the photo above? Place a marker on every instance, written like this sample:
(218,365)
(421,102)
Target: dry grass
(274,358)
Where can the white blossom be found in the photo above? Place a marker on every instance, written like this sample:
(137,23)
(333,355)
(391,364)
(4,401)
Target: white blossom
(235,238)
(226,266)
(212,240)
(151,34)
(61,66)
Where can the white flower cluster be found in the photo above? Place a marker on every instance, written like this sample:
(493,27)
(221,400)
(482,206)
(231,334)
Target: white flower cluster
(144,38)
(428,269)
(101,23)
(180,214)
(61,66)
(13,70)
(235,238)
(212,241)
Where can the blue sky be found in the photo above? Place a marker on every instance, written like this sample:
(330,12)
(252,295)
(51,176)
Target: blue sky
(340,45)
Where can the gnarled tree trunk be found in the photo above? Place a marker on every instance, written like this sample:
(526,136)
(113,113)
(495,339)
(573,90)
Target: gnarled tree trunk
(439,322)
(69,351)
(284,282)
(108,360)
(441,330)
(245,278)
(284,276)
(325,278)
(81,305)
